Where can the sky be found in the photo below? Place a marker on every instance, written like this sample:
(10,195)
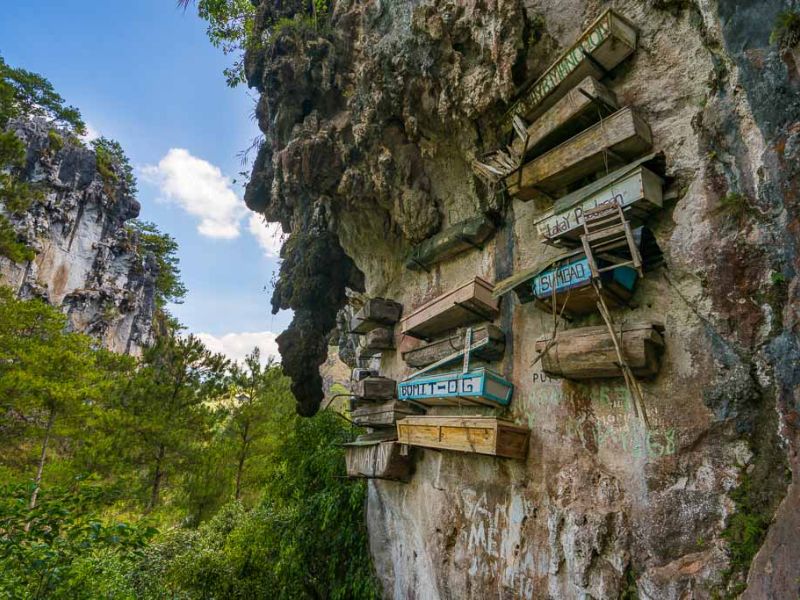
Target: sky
(144,73)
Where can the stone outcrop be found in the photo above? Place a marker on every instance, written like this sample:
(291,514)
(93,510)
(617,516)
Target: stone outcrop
(87,261)
(371,121)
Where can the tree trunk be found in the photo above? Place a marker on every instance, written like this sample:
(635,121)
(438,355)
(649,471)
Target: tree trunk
(38,481)
(157,477)
(240,466)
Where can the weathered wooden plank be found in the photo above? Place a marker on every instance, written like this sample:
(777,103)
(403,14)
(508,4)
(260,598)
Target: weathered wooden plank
(375,388)
(467,303)
(454,240)
(481,386)
(582,106)
(588,352)
(609,143)
(381,414)
(376,341)
(604,44)
(481,435)
(430,353)
(638,191)
(381,460)
(376,312)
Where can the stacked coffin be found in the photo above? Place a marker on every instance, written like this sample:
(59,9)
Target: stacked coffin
(577,149)
(451,328)
(377,454)
(375,323)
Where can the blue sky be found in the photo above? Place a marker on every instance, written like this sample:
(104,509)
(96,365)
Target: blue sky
(145,74)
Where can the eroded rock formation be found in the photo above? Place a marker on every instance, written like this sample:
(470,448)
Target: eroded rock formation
(86,261)
(371,122)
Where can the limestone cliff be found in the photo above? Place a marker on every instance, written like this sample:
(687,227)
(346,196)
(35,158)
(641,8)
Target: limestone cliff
(86,260)
(372,119)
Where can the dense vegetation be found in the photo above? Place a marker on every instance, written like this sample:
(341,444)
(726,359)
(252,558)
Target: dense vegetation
(173,475)
(177,475)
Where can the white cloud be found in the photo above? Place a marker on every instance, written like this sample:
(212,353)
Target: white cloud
(268,235)
(238,345)
(91,133)
(200,189)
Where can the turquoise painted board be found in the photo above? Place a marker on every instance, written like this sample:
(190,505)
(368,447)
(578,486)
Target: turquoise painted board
(479,385)
(576,273)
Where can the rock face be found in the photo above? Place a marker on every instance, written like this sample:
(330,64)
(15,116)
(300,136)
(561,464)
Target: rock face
(371,123)
(86,261)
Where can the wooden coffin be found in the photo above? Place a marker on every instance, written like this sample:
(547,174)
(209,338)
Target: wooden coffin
(588,352)
(377,460)
(488,343)
(376,341)
(482,435)
(381,414)
(375,388)
(376,312)
(478,386)
(454,240)
(638,190)
(570,274)
(573,286)
(581,107)
(470,302)
(608,144)
(605,44)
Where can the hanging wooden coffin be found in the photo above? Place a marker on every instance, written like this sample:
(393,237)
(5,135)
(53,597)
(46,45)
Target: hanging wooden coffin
(377,460)
(605,44)
(610,143)
(375,388)
(481,435)
(588,352)
(376,312)
(488,343)
(376,341)
(468,303)
(381,414)
(581,107)
(572,280)
(479,386)
(569,274)
(454,240)
(634,187)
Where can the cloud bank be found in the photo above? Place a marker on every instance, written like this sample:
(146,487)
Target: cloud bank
(238,345)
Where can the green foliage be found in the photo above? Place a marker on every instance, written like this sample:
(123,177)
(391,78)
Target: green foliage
(777,278)
(169,287)
(27,95)
(745,532)
(61,548)
(10,245)
(306,538)
(55,140)
(113,165)
(786,33)
(734,205)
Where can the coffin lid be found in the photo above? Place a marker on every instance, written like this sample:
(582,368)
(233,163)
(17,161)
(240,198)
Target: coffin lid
(655,161)
(507,285)
(362,443)
(593,330)
(474,371)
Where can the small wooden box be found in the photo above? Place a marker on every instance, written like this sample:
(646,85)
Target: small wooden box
(377,460)
(454,240)
(491,342)
(375,388)
(470,302)
(621,137)
(481,435)
(376,312)
(376,341)
(588,352)
(381,414)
